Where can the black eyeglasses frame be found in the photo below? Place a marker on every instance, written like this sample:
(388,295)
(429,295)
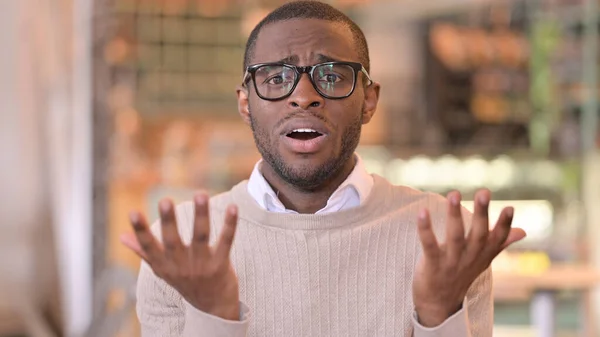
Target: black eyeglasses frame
(356,66)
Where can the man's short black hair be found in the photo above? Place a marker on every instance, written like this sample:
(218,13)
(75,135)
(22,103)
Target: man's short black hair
(309,10)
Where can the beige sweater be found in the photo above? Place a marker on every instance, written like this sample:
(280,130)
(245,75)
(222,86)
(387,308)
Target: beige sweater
(347,273)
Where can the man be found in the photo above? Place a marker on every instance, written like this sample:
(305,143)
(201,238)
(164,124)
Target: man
(321,247)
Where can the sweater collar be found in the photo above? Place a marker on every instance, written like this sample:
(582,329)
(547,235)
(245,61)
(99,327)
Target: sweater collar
(375,203)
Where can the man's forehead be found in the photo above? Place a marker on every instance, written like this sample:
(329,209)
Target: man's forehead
(304,40)
(317,57)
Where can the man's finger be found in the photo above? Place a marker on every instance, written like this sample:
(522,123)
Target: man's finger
(516,234)
(431,248)
(174,249)
(201,234)
(130,241)
(151,248)
(455,228)
(227,234)
(501,231)
(478,234)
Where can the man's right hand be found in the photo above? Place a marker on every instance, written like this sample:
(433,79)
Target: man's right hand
(203,275)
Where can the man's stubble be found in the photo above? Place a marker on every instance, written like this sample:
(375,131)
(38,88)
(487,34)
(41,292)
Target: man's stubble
(306,178)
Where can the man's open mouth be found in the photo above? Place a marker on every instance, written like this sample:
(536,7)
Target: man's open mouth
(304,134)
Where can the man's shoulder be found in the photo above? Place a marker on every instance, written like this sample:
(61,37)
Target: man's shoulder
(407,200)
(405,196)
(221,200)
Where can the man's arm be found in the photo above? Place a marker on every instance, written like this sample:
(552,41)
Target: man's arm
(474,319)
(186,265)
(160,309)
(162,312)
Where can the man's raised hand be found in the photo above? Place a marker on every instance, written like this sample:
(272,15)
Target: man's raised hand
(203,275)
(446,271)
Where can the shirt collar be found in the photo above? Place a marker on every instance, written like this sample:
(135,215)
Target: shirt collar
(359,179)
(359,183)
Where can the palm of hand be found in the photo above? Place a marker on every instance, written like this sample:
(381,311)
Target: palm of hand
(202,275)
(445,272)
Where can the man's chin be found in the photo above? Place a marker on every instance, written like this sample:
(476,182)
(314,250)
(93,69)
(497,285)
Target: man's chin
(308,161)
(306,176)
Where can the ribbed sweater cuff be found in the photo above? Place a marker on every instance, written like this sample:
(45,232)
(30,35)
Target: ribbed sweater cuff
(456,325)
(201,324)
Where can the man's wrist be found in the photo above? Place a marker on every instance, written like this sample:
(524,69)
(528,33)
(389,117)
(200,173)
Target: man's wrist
(231,313)
(435,315)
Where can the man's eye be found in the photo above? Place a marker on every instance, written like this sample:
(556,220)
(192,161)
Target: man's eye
(278,79)
(330,78)
(275,80)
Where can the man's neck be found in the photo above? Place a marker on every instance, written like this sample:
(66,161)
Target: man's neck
(301,200)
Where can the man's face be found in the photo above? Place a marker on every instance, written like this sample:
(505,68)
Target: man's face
(307,159)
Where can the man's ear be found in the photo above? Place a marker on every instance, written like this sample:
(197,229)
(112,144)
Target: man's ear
(371,100)
(243,108)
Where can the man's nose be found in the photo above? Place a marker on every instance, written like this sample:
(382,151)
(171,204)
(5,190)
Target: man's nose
(305,95)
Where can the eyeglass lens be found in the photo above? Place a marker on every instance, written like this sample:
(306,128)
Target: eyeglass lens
(332,80)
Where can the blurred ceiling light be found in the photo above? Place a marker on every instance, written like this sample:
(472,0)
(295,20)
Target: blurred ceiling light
(418,171)
(511,47)
(446,169)
(116,51)
(478,47)
(394,171)
(375,158)
(375,166)
(501,172)
(447,44)
(474,172)
(489,108)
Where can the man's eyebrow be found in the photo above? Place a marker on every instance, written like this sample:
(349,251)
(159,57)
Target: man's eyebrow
(292,59)
(325,58)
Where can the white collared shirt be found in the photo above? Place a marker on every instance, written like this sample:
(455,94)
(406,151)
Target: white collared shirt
(351,193)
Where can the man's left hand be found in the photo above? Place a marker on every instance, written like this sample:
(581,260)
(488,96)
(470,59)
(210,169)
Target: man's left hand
(446,271)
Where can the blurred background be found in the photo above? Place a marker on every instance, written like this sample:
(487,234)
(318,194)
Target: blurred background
(110,105)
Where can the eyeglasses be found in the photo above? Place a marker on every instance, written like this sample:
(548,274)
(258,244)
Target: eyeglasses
(333,80)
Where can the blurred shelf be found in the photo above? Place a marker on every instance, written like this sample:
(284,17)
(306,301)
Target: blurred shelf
(513,286)
(516,153)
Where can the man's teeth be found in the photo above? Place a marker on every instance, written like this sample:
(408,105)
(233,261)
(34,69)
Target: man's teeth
(304,130)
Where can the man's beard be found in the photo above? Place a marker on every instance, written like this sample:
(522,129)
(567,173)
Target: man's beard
(306,178)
